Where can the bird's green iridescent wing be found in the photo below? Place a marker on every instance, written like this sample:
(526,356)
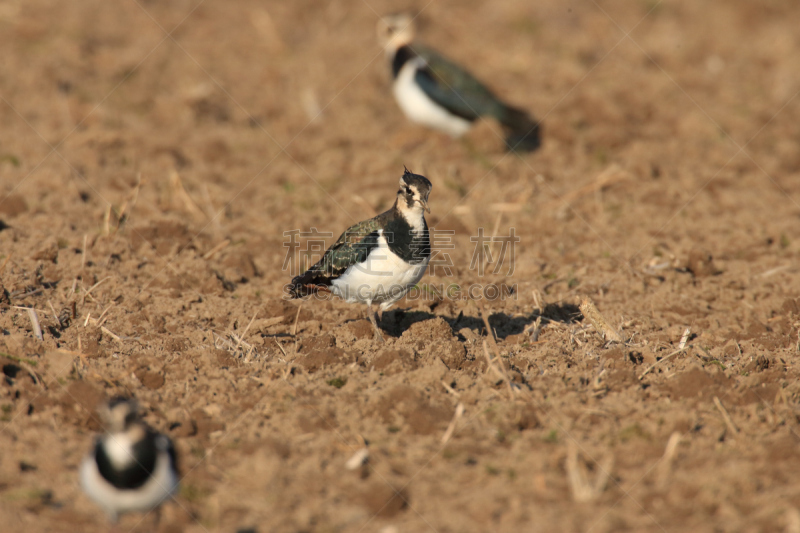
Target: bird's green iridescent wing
(350,248)
(460,93)
(453,87)
(353,246)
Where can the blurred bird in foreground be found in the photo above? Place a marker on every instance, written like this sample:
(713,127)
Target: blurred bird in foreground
(378,260)
(131,467)
(433,91)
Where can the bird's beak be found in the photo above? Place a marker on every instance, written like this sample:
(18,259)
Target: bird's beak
(424,204)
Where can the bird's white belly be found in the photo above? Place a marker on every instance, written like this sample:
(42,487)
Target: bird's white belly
(160,486)
(383,278)
(418,107)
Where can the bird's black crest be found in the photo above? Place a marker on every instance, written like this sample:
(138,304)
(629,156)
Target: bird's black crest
(422,183)
(116,400)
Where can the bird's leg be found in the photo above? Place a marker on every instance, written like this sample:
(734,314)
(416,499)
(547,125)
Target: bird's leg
(371,312)
(113,518)
(157,518)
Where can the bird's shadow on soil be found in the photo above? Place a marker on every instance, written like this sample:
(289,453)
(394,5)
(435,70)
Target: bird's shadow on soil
(396,322)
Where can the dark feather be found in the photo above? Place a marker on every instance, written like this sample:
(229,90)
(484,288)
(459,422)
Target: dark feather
(522,133)
(137,472)
(353,246)
(173,455)
(452,87)
(403,54)
(464,96)
(410,247)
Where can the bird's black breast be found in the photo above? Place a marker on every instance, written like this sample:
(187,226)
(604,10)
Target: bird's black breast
(412,247)
(403,54)
(173,456)
(144,455)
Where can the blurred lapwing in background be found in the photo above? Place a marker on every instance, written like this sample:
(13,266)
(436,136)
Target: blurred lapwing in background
(131,467)
(379,260)
(435,92)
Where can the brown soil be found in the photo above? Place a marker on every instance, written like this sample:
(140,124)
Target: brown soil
(147,182)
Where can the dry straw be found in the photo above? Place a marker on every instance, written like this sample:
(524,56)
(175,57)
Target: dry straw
(681,348)
(664,471)
(583,489)
(600,324)
(453,423)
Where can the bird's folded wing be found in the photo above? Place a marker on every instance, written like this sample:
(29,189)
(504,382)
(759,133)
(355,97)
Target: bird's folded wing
(353,246)
(453,88)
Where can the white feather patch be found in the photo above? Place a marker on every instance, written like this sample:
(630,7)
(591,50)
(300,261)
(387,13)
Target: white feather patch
(383,278)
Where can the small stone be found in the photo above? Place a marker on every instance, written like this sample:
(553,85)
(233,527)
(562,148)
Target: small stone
(151,380)
(701,263)
(13,205)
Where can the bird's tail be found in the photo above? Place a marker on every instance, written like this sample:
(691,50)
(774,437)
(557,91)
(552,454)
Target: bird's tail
(305,284)
(298,287)
(294,290)
(523,133)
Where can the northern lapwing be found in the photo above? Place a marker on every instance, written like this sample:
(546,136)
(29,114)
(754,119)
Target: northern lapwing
(131,467)
(435,92)
(379,260)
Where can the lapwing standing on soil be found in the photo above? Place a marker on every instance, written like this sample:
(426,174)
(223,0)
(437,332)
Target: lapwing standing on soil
(131,467)
(379,260)
(433,91)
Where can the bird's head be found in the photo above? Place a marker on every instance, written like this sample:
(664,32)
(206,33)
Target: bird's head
(412,197)
(395,31)
(120,414)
